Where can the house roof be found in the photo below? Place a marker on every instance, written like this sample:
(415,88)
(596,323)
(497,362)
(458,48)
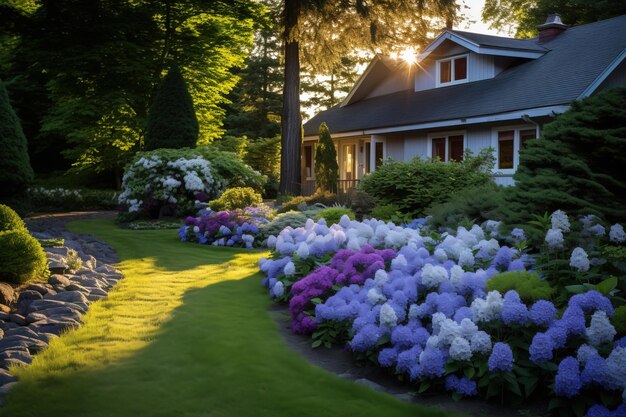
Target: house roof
(501,42)
(573,61)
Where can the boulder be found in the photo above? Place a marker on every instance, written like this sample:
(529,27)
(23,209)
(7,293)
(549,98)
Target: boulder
(74,297)
(7,294)
(42,289)
(18,319)
(20,354)
(89,261)
(54,326)
(57,279)
(57,267)
(57,251)
(29,295)
(6,377)
(4,316)
(10,362)
(40,305)
(76,287)
(33,345)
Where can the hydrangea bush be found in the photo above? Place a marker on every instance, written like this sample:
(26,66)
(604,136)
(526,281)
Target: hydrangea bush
(416,303)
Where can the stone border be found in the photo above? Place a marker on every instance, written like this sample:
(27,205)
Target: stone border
(40,312)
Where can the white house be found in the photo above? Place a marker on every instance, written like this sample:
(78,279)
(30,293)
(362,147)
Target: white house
(468,91)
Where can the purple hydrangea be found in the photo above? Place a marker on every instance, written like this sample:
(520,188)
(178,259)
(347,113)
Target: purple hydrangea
(501,358)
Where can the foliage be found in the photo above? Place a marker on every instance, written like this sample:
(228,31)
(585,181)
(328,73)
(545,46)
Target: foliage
(416,185)
(89,99)
(332,215)
(326,167)
(52,243)
(263,155)
(21,256)
(234,228)
(281,221)
(10,220)
(302,202)
(619,320)
(476,204)
(569,167)
(73,261)
(153,225)
(528,285)
(528,14)
(15,170)
(168,181)
(236,198)
(232,171)
(385,212)
(172,121)
(61,199)
(234,144)
(360,202)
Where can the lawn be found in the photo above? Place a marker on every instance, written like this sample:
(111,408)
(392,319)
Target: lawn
(185,333)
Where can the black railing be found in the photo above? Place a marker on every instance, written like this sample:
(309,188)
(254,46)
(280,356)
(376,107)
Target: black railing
(343,186)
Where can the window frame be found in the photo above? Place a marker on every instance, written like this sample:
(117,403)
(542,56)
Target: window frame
(452,81)
(446,135)
(312,144)
(516,145)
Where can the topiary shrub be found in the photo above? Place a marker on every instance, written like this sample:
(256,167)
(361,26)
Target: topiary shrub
(418,184)
(172,121)
(326,167)
(291,218)
(15,170)
(296,203)
(10,220)
(476,205)
(577,165)
(21,256)
(234,198)
(332,215)
(528,285)
(619,320)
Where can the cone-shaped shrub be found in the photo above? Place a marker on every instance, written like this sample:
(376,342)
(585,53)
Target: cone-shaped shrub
(172,121)
(326,167)
(15,170)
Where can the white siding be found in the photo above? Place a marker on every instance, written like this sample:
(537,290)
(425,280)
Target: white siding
(395,148)
(398,81)
(480,67)
(425,77)
(506,181)
(478,138)
(415,146)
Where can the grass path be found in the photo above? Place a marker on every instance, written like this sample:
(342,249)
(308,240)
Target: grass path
(185,333)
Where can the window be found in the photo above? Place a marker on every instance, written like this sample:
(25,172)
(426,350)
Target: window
(506,140)
(452,70)
(379,154)
(448,147)
(308,161)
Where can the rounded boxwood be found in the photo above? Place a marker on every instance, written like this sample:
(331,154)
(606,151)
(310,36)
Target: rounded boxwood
(21,257)
(236,198)
(528,285)
(10,220)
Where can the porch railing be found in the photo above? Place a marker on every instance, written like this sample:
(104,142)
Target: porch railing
(343,186)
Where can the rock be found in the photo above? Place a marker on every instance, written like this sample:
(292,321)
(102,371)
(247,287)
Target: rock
(29,295)
(4,308)
(6,377)
(40,288)
(4,316)
(35,316)
(10,362)
(76,287)
(19,354)
(368,383)
(57,267)
(54,326)
(89,261)
(1,334)
(74,297)
(8,325)
(33,345)
(55,280)
(7,294)
(40,305)
(18,319)
(57,251)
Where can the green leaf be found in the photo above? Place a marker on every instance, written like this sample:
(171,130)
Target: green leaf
(456,396)
(575,289)
(556,403)
(451,367)
(316,344)
(494,389)
(423,387)
(606,286)
(469,372)
(316,300)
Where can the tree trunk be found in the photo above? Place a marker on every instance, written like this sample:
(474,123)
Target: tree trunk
(291,121)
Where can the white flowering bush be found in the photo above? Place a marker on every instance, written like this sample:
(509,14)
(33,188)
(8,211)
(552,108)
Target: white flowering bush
(168,177)
(60,199)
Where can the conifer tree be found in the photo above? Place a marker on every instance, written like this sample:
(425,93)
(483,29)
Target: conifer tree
(326,167)
(578,163)
(15,170)
(172,121)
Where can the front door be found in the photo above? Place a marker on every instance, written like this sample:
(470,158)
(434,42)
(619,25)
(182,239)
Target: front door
(348,171)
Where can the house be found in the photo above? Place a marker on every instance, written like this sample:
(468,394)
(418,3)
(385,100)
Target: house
(468,91)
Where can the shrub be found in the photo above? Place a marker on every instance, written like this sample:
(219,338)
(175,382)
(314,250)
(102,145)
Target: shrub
(10,220)
(476,204)
(289,219)
(73,261)
(172,121)
(263,155)
(232,171)
(234,198)
(21,256)
(234,144)
(326,167)
(416,185)
(168,179)
(385,212)
(296,203)
(527,284)
(332,215)
(60,199)
(360,202)
(578,163)
(619,320)
(15,170)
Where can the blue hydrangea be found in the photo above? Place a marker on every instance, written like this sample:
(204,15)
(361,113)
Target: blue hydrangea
(584,352)
(513,310)
(408,358)
(463,313)
(501,358)
(592,301)
(503,258)
(567,382)
(616,368)
(365,338)
(462,386)
(621,342)
(542,313)
(541,348)
(480,342)
(595,371)
(432,363)
(387,357)
(573,320)
(518,235)
(558,333)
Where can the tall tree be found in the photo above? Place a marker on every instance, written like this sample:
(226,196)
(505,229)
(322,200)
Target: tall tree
(172,121)
(326,167)
(331,28)
(526,15)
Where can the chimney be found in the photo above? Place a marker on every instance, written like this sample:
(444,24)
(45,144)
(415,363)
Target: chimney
(551,29)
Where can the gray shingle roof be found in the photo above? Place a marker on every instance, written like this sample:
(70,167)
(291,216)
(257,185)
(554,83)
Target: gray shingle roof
(501,42)
(575,59)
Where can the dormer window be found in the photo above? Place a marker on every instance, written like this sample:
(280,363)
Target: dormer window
(452,71)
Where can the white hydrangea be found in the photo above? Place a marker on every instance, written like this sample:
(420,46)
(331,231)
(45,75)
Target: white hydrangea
(488,247)
(290,269)
(387,316)
(271,242)
(617,234)
(466,258)
(560,221)
(278,289)
(431,342)
(436,320)
(381,277)
(448,330)
(487,309)
(468,328)
(480,342)
(399,262)
(303,250)
(460,349)
(492,227)
(441,255)
(374,296)
(414,312)
(193,182)
(456,272)
(600,329)
(554,238)
(579,260)
(432,276)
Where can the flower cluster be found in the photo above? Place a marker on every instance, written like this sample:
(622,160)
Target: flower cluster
(236,228)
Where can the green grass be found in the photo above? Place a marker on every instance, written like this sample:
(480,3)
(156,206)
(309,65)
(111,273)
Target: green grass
(185,333)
